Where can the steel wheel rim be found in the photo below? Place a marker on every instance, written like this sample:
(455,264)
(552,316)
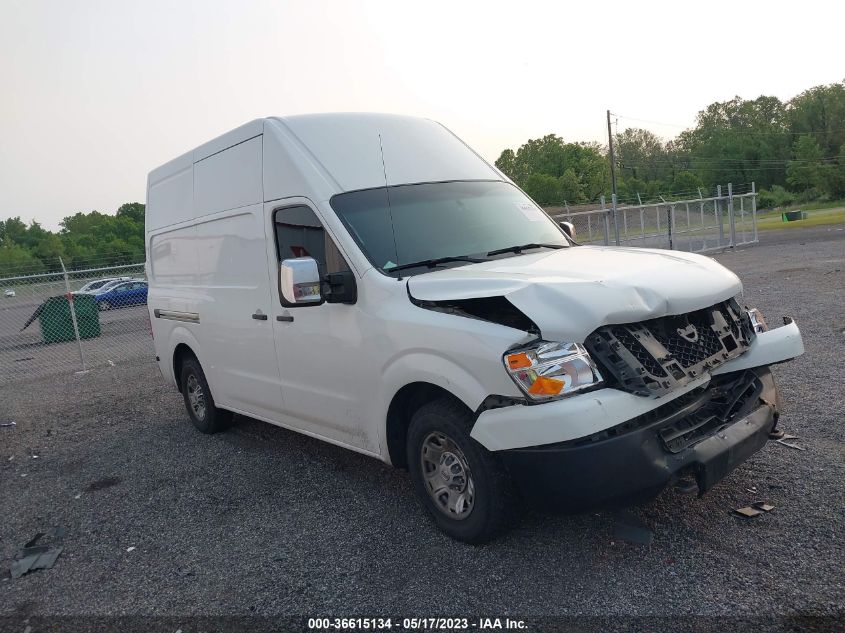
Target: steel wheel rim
(446,476)
(196,397)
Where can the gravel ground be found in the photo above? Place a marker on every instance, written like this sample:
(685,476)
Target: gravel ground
(264,521)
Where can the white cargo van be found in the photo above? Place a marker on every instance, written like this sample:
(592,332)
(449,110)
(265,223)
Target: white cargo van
(371,281)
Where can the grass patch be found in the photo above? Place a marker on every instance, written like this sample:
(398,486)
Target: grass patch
(806,206)
(815,206)
(816,217)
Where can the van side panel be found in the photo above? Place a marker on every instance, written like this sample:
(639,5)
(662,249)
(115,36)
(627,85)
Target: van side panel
(229,179)
(233,284)
(173,257)
(170,193)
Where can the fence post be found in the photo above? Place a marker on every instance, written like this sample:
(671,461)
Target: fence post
(615,218)
(731,218)
(754,210)
(670,220)
(718,213)
(606,223)
(72,307)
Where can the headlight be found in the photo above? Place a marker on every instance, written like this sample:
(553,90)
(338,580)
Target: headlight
(552,370)
(757,320)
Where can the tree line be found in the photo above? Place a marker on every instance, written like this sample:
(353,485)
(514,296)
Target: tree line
(84,240)
(794,151)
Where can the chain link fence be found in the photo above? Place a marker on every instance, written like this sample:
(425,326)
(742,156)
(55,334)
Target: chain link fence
(702,224)
(73,321)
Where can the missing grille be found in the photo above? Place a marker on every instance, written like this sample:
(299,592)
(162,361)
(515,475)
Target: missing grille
(656,356)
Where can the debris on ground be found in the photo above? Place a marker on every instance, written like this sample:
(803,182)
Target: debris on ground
(33,556)
(790,445)
(130,549)
(762,505)
(748,512)
(9,423)
(629,528)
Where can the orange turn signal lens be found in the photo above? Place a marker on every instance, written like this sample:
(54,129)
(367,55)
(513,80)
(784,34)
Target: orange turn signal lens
(546,386)
(519,361)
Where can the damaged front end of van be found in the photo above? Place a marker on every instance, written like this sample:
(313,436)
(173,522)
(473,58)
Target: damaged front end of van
(627,385)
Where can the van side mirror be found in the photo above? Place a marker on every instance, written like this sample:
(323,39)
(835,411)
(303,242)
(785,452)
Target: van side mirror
(568,228)
(299,282)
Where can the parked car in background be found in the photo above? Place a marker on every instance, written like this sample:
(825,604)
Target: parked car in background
(111,283)
(9,293)
(97,284)
(122,294)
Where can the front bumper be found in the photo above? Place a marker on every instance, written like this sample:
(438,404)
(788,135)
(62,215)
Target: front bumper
(635,461)
(582,415)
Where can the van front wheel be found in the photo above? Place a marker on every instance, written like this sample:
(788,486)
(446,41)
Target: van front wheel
(464,487)
(199,401)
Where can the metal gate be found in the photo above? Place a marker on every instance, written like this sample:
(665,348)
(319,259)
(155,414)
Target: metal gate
(725,220)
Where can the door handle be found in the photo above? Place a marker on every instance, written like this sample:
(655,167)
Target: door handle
(259,316)
(285,317)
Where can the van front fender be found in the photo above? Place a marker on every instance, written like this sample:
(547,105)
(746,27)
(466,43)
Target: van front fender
(436,370)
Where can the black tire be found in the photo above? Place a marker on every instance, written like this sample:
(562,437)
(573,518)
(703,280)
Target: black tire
(494,502)
(208,418)
(102,306)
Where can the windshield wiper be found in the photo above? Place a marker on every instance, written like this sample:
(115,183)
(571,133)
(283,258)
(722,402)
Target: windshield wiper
(431,263)
(523,247)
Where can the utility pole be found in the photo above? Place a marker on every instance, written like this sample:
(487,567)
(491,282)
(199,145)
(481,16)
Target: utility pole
(612,156)
(613,198)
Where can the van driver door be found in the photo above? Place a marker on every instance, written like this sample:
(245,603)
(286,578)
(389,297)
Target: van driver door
(317,345)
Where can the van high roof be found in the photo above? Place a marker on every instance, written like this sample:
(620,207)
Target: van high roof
(321,154)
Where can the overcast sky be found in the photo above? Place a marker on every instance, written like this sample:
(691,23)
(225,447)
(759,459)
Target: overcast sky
(95,94)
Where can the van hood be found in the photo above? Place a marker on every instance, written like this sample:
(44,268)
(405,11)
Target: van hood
(570,292)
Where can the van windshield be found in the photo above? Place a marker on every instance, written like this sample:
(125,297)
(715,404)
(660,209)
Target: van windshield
(443,220)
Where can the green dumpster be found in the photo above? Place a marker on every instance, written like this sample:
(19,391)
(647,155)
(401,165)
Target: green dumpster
(791,216)
(57,324)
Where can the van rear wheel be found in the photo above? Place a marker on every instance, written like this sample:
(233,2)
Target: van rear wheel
(462,485)
(198,399)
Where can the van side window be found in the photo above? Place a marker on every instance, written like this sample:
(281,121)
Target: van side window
(299,233)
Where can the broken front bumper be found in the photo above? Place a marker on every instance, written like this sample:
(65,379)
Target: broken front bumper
(633,462)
